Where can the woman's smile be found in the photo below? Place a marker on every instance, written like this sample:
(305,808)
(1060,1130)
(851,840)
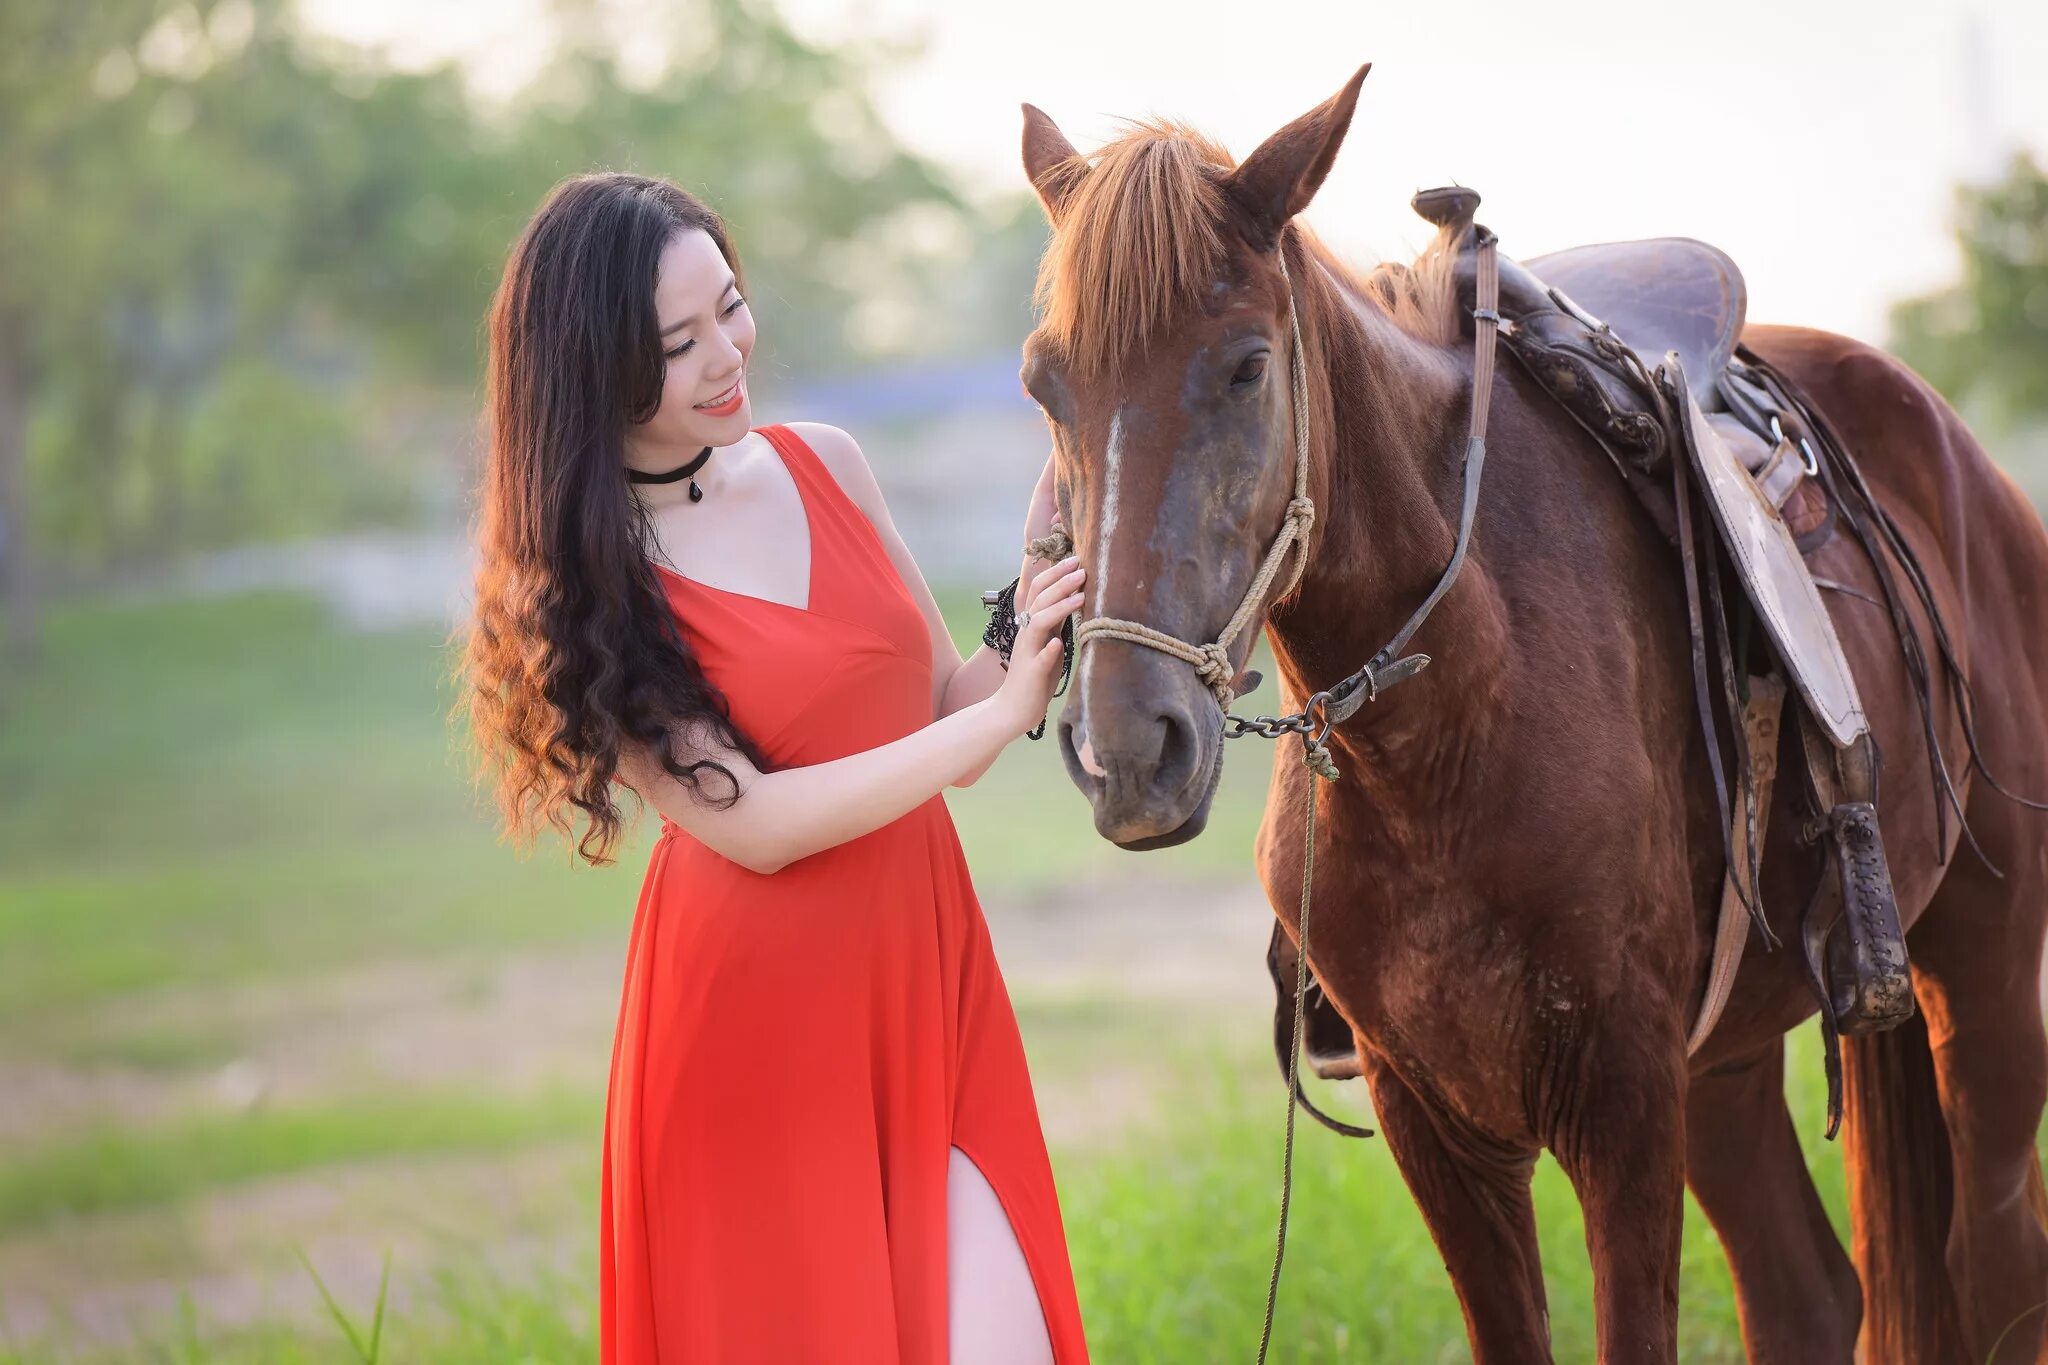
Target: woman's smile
(727,403)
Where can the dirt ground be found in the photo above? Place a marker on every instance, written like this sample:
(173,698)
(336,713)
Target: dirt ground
(1107,984)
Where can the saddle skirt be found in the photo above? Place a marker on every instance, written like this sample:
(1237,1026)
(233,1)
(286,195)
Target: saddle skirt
(1773,571)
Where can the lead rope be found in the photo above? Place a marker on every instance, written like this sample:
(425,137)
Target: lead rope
(1316,754)
(1322,768)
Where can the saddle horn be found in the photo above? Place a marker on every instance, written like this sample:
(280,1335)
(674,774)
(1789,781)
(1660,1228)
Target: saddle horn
(1448,206)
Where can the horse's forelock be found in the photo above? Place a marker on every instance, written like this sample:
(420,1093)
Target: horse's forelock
(1139,239)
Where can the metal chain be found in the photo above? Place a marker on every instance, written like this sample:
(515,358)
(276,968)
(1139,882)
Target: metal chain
(1273,727)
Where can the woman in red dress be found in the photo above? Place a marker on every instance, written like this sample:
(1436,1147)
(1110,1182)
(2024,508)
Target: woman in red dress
(820,1142)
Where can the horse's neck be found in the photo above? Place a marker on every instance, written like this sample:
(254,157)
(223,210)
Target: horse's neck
(1389,473)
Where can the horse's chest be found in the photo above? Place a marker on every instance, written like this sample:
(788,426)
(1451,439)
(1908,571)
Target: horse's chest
(1439,982)
(1481,1048)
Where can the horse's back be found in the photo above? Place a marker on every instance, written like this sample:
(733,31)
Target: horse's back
(1915,450)
(1984,550)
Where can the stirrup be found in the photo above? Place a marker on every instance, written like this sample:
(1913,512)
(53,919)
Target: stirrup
(1868,976)
(1864,964)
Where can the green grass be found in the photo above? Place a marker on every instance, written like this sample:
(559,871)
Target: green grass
(1173,1241)
(106,1168)
(205,792)
(1171,1236)
(465,1318)
(162,1050)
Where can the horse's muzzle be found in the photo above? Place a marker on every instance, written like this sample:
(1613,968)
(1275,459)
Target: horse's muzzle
(1149,771)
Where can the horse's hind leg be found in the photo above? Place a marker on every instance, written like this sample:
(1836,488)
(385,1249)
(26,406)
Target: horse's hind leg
(1794,1285)
(1476,1202)
(1977,974)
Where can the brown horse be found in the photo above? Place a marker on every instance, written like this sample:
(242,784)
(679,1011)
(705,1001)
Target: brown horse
(1517,874)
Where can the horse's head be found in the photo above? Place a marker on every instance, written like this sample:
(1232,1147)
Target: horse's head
(1162,363)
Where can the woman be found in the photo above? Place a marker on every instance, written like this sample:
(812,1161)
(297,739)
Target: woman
(821,1143)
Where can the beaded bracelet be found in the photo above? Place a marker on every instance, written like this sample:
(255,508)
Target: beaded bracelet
(1001,632)
(1001,636)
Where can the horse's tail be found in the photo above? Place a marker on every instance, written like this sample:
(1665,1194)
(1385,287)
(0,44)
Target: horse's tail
(1900,1198)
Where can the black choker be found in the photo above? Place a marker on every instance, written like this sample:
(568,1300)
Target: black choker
(681,471)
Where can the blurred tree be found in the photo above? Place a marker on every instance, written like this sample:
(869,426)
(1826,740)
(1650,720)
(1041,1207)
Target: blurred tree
(980,291)
(225,243)
(1986,338)
(48,57)
(155,184)
(776,133)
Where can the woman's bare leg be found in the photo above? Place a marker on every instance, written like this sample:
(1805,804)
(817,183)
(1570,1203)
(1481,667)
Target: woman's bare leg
(993,1308)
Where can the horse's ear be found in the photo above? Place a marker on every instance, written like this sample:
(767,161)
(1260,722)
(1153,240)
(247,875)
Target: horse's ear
(1051,161)
(1278,180)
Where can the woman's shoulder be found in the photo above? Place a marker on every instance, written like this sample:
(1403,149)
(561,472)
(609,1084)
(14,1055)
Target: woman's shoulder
(844,461)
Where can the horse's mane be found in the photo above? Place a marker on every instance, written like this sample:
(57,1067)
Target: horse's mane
(1140,239)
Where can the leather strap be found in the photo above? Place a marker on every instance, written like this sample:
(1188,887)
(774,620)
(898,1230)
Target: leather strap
(1388,666)
(1760,722)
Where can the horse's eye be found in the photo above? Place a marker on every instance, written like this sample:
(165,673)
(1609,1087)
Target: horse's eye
(1251,371)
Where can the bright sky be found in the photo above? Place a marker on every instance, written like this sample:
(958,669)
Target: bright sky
(1814,140)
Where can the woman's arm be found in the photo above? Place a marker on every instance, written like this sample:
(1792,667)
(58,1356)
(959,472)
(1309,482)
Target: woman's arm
(790,813)
(956,683)
(982,672)
(978,675)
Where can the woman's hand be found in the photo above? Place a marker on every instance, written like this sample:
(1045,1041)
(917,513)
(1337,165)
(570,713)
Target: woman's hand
(1053,595)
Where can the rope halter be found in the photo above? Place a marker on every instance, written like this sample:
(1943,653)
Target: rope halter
(1212,661)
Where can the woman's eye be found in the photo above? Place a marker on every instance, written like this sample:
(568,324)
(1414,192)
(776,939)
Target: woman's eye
(1251,371)
(684,349)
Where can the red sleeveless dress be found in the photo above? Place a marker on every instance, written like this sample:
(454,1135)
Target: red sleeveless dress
(796,1053)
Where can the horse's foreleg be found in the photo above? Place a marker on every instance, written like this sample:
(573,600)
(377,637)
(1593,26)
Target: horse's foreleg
(1475,1198)
(1616,1129)
(1796,1290)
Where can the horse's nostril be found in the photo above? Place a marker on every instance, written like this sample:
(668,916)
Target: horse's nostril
(1176,749)
(1079,748)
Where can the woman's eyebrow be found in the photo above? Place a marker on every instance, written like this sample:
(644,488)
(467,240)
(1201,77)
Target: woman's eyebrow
(695,317)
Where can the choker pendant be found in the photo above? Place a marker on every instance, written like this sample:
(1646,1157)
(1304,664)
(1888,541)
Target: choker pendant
(682,471)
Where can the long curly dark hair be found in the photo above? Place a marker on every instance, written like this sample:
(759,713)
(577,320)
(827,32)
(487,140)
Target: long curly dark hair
(572,650)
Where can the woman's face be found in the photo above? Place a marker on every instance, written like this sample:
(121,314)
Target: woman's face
(707,333)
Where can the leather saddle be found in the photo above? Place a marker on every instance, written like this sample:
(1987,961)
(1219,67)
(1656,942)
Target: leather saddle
(1591,322)
(1661,295)
(1640,343)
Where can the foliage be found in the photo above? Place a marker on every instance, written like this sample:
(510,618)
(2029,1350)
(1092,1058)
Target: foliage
(1987,336)
(246,248)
